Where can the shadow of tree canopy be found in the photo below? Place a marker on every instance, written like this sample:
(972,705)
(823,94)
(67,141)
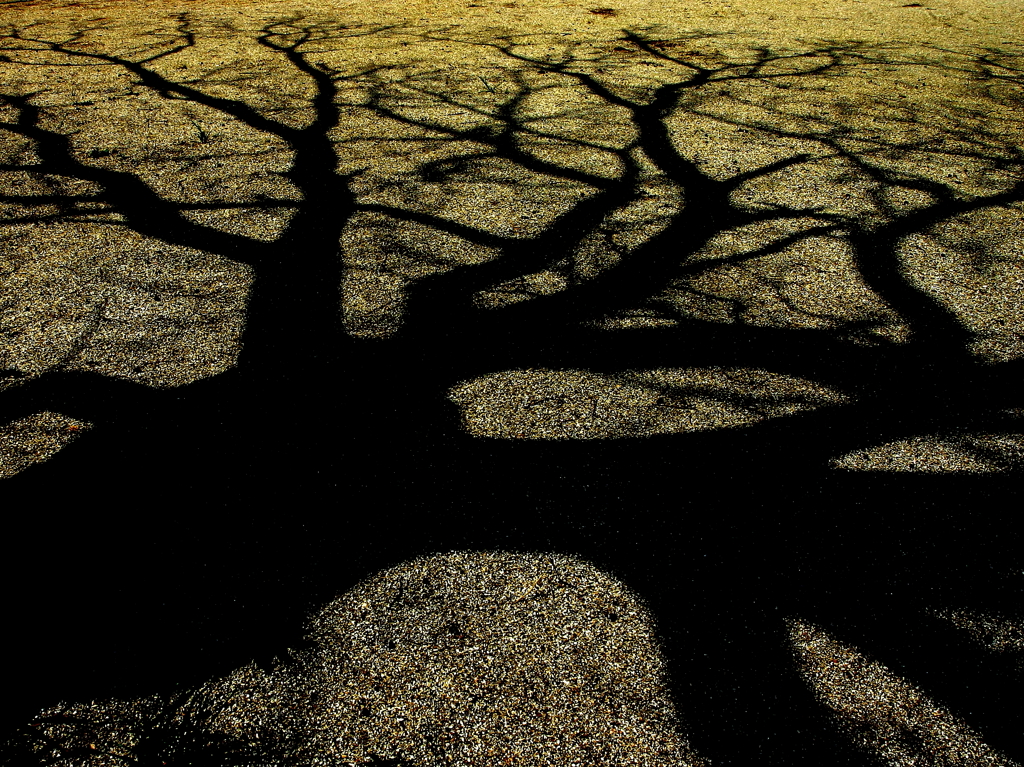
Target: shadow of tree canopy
(739,325)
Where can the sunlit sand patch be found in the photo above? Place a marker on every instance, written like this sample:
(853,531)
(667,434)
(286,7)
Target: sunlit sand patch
(514,651)
(810,283)
(883,713)
(385,253)
(374,302)
(35,439)
(998,634)
(638,318)
(974,264)
(577,404)
(998,347)
(542,283)
(475,658)
(977,453)
(382,256)
(111,301)
(164,339)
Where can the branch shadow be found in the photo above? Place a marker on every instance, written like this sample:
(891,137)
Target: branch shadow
(194,526)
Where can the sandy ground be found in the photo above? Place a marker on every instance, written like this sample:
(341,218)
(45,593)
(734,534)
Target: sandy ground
(78,293)
(67,305)
(778,24)
(482,658)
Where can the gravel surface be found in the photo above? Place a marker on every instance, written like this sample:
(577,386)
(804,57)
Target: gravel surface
(484,658)
(149,163)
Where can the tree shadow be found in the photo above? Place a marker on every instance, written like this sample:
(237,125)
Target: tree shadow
(195,524)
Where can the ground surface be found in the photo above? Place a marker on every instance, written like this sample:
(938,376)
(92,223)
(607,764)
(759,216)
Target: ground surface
(714,306)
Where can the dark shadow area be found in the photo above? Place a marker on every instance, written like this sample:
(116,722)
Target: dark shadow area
(195,528)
